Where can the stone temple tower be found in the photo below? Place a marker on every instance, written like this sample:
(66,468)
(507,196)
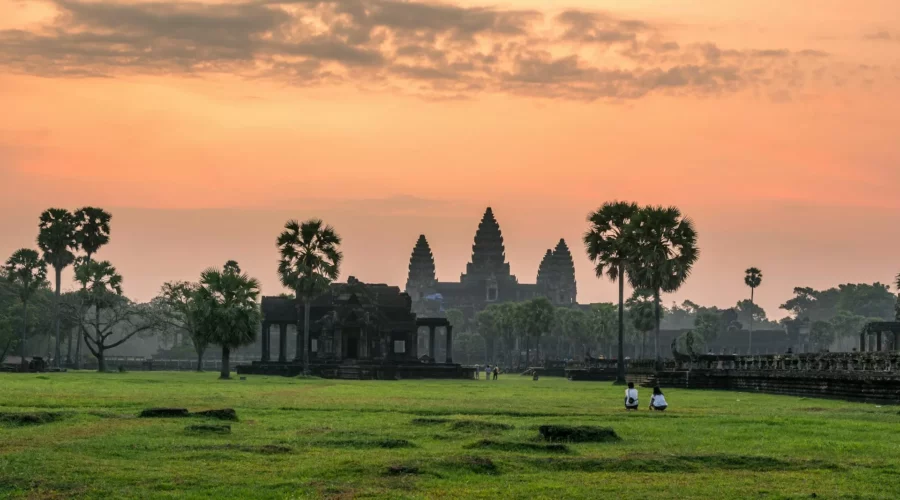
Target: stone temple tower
(488,252)
(556,275)
(421,279)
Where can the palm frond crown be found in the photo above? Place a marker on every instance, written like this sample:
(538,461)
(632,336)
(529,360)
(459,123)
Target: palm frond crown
(608,241)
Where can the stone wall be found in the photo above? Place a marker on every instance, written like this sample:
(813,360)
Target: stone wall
(864,377)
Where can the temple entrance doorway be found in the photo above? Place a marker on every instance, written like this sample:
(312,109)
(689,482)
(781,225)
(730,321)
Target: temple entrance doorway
(351,348)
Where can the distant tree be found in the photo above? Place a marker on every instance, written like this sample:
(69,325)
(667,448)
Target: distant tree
(228,314)
(181,312)
(708,325)
(752,278)
(642,313)
(487,323)
(897,303)
(58,242)
(602,323)
(868,300)
(92,229)
(821,334)
(310,262)
(27,274)
(116,319)
(610,245)
(666,252)
(537,317)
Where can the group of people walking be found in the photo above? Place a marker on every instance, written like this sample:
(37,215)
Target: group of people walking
(657,400)
(488,371)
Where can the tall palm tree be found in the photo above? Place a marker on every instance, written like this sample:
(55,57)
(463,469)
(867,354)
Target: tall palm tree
(610,245)
(228,312)
(752,278)
(92,232)
(57,240)
(310,262)
(666,251)
(897,305)
(27,273)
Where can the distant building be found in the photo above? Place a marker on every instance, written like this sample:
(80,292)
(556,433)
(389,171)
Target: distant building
(487,279)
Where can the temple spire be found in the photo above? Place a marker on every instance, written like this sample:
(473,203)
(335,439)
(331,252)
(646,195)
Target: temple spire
(488,252)
(421,266)
(563,271)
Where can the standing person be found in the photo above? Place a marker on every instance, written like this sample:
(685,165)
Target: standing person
(487,372)
(477,372)
(496,372)
(631,397)
(657,400)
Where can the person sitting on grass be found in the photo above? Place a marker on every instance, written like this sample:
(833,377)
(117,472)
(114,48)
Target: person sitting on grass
(631,397)
(657,400)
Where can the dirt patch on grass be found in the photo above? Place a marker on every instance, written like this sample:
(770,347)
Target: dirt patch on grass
(388,443)
(519,446)
(430,421)
(220,414)
(479,426)
(478,465)
(677,464)
(578,433)
(402,470)
(32,418)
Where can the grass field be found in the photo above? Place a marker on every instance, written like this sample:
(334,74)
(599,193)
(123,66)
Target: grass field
(311,438)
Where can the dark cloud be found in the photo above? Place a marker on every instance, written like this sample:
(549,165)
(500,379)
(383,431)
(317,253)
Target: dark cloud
(880,36)
(430,49)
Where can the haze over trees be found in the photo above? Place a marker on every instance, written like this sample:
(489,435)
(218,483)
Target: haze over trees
(27,275)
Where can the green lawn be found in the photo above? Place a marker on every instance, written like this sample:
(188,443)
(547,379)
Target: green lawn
(310,438)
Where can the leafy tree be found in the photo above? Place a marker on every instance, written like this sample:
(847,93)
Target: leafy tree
(821,334)
(228,314)
(310,262)
(708,325)
(487,322)
(610,245)
(752,278)
(181,312)
(666,251)
(27,274)
(642,313)
(57,240)
(116,319)
(868,300)
(92,228)
(537,316)
(602,322)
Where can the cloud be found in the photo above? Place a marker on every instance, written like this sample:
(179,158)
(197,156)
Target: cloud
(878,36)
(431,49)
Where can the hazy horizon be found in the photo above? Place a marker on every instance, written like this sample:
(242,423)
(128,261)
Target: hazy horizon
(774,126)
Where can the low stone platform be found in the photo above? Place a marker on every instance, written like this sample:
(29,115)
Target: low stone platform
(592,374)
(361,370)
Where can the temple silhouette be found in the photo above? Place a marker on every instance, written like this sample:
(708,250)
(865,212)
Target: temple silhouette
(487,279)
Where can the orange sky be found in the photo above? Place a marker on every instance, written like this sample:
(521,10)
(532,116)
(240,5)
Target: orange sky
(203,128)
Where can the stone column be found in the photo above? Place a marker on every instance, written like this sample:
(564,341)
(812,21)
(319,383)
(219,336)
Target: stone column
(862,341)
(282,342)
(431,341)
(878,340)
(300,347)
(265,341)
(449,358)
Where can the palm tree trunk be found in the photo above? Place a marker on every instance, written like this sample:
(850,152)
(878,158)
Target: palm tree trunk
(620,360)
(656,311)
(226,370)
(527,352)
(69,349)
(81,314)
(24,334)
(56,311)
(306,310)
(750,343)
(101,359)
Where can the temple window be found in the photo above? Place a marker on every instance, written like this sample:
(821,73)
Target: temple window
(492,293)
(315,345)
(399,346)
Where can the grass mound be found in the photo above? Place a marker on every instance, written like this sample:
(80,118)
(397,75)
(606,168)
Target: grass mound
(389,443)
(35,418)
(678,464)
(402,470)
(520,447)
(430,421)
(164,413)
(478,426)
(206,428)
(578,433)
(222,414)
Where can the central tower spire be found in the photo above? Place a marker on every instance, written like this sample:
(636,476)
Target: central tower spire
(488,252)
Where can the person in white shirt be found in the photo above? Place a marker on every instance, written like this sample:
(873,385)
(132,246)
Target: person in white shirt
(631,397)
(487,372)
(657,400)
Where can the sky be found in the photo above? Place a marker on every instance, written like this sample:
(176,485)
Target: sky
(204,126)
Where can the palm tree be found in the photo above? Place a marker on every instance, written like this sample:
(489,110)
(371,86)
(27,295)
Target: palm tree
(752,278)
(310,262)
(537,319)
(91,233)
(897,306)
(666,251)
(228,314)
(610,245)
(57,240)
(27,273)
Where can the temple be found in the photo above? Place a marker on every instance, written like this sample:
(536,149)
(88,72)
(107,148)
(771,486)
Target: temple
(487,279)
(357,331)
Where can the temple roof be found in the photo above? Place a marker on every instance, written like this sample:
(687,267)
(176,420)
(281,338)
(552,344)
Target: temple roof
(544,268)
